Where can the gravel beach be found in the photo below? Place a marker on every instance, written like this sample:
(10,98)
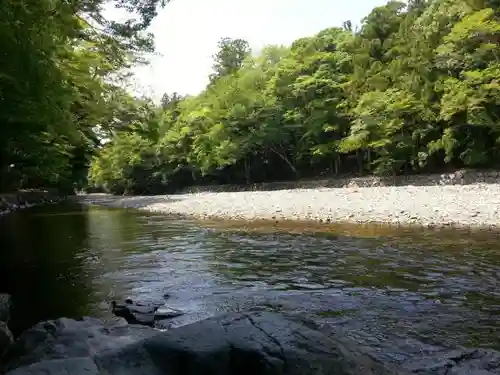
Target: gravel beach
(442,205)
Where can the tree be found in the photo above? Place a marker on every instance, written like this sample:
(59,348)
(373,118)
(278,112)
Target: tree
(229,58)
(414,89)
(56,86)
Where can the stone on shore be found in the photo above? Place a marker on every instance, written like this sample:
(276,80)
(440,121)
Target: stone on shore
(236,343)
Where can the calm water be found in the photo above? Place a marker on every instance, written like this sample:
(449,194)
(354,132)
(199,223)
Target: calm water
(71,260)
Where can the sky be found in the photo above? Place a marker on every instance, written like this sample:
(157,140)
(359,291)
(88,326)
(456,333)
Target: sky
(187,31)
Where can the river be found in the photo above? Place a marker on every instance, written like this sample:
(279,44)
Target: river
(440,287)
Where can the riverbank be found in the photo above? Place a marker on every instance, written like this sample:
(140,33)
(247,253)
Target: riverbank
(255,341)
(447,203)
(26,199)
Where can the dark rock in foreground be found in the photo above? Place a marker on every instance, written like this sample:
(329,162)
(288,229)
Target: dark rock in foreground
(257,343)
(67,338)
(253,343)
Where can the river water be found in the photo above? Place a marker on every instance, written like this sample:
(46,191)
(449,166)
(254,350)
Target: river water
(440,287)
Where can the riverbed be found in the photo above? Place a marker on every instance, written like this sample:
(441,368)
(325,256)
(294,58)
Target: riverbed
(473,205)
(439,287)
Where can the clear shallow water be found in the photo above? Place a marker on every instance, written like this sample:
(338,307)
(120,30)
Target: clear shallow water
(71,260)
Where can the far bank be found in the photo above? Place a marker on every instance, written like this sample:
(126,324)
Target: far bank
(461,199)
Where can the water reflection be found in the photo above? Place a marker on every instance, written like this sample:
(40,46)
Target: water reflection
(439,287)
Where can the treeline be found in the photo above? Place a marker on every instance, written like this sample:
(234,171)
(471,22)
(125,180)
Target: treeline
(415,89)
(62,70)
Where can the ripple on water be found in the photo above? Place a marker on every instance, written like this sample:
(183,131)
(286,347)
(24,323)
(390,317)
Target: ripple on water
(439,287)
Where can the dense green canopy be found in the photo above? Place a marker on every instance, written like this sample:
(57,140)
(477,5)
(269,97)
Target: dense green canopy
(414,89)
(59,73)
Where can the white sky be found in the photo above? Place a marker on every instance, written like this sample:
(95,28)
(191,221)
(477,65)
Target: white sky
(187,32)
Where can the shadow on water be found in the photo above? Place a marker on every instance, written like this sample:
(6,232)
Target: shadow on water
(39,263)
(435,286)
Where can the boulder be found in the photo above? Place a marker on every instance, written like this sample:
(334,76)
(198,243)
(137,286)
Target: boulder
(241,343)
(68,338)
(235,343)
(250,343)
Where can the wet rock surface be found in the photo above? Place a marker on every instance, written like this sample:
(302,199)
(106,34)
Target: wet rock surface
(234,343)
(148,313)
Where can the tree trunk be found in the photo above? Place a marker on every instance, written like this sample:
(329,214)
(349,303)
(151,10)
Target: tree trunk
(359,158)
(285,159)
(247,170)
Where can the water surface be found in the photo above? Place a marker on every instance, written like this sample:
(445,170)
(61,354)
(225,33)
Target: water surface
(440,287)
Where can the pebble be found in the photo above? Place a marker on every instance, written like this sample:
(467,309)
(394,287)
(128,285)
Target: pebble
(439,205)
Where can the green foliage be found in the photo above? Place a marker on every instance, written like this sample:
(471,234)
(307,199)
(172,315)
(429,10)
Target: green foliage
(55,89)
(414,89)
(122,162)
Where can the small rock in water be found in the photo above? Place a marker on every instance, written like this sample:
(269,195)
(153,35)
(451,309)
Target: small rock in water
(144,313)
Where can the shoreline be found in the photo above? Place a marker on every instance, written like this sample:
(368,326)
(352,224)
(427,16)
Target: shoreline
(24,199)
(466,206)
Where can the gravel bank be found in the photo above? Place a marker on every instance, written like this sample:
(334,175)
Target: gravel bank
(461,205)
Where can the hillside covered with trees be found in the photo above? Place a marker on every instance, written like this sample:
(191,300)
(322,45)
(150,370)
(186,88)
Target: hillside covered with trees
(414,89)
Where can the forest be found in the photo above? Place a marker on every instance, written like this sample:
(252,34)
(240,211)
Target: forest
(413,89)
